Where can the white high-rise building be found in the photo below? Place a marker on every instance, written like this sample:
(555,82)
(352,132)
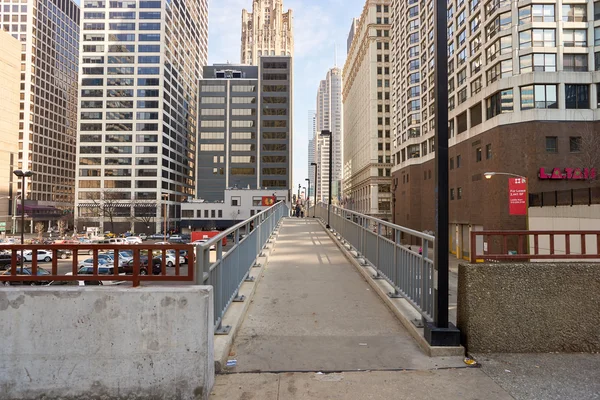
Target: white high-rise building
(367,130)
(266,31)
(329,117)
(141,61)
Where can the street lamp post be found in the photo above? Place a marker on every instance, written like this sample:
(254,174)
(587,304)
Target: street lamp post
(328,133)
(298,197)
(22,174)
(14,216)
(307,195)
(314,164)
(166,197)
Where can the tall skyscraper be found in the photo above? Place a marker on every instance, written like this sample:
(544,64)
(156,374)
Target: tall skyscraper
(367,137)
(266,31)
(245,129)
(10,76)
(312,127)
(140,66)
(353,28)
(522,100)
(48,31)
(329,117)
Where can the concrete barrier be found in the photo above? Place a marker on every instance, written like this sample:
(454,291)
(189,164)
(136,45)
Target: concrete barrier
(529,307)
(106,343)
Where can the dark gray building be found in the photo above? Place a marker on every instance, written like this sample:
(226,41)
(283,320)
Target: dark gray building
(245,127)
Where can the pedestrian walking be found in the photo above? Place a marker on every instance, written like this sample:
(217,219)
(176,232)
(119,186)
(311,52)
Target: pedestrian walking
(297,210)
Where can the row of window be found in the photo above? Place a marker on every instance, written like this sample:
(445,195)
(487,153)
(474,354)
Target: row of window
(118,149)
(91,172)
(118,161)
(122,4)
(242,135)
(218,147)
(120,115)
(119,104)
(116,48)
(116,184)
(121,138)
(118,127)
(120,92)
(121,15)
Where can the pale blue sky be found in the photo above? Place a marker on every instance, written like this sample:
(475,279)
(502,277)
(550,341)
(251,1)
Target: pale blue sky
(318,26)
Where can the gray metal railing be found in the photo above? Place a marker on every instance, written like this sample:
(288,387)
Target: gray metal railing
(232,267)
(384,246)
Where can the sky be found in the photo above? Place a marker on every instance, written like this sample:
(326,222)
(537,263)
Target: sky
(319,27)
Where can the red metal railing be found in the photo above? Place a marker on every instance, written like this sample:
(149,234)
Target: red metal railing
(135,277)
(525,245)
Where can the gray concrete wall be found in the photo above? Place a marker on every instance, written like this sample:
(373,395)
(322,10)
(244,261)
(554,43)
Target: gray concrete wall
(529,308)
(106,343)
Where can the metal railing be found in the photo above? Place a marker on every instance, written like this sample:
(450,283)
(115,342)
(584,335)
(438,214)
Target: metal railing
(232,268)
(149,262)
(534,245)
(392,251)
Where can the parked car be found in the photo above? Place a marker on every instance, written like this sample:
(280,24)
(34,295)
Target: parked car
(202,241)
(6,260)
(175,239)
(124,256)
(64,254)
(90,262)
(156,266)
(41,255)
(133,240)
(109,234)
(182,255)
(157,236)
(28,271)
(102,270)
(143,236)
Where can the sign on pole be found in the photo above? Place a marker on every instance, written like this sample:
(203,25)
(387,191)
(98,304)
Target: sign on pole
(517,196)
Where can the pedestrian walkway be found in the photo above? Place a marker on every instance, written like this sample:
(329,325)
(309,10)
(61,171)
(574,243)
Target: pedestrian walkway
(314,322)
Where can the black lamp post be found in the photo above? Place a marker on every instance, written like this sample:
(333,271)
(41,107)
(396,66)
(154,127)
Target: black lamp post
(314,164)
(328,133)
(298,197)
(23,174)
(308,194)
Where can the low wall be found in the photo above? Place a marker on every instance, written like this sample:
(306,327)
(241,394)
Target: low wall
(535,307)
(106,343)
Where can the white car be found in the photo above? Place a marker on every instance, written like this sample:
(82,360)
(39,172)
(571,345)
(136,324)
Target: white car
(203,241)
(133,240)
(89,263)
(42,255)
(102,270)
(143,236)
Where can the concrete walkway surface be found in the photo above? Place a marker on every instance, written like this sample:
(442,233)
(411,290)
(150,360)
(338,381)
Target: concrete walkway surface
(452,384)
(313,311)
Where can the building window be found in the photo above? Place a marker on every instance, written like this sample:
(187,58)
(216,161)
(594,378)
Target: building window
(537,38)
(536,13)
(575,62)
(458,161)
(574,37)
(478,154)
(236,201)
(452,163)
(575,144)
(538,96)
(577,96)
(488,151)
(459,193)
(499,103)
(574,13)
(551,144)
(451,194)
(537,62)
(220,214)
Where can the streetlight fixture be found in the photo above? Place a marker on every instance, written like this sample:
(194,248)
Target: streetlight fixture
(165,216)
(314,164)
(323,134)
(22,174)
(488,175)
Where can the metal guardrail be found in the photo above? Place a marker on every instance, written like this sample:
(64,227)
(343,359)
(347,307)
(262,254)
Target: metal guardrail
(232,268)
(33,274)
(534,245)
(380,243)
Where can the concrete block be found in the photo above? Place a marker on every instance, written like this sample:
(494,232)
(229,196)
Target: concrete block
(106,343)
(529,307)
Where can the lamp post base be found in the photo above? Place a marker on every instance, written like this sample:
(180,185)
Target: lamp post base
(435,336)
(327,226)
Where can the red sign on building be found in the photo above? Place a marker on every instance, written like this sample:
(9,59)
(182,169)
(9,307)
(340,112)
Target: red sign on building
(517,196)
(568,173)
(268,201)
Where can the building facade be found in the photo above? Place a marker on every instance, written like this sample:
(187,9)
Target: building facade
(236,206)
(10,76)
(140,66)
(245,133)
(266,31)
(522,100)
(329,117)
(367,130)
(312,126)
(48,31)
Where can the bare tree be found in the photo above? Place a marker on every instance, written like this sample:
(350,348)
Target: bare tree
(62,224)
(39,229)
(589,149)
(144,212)
(108,203)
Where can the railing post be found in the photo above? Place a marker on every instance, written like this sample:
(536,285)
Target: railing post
(473,247)
(395,294)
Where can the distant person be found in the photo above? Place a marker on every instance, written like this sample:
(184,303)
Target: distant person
(297,210)
(420,251)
